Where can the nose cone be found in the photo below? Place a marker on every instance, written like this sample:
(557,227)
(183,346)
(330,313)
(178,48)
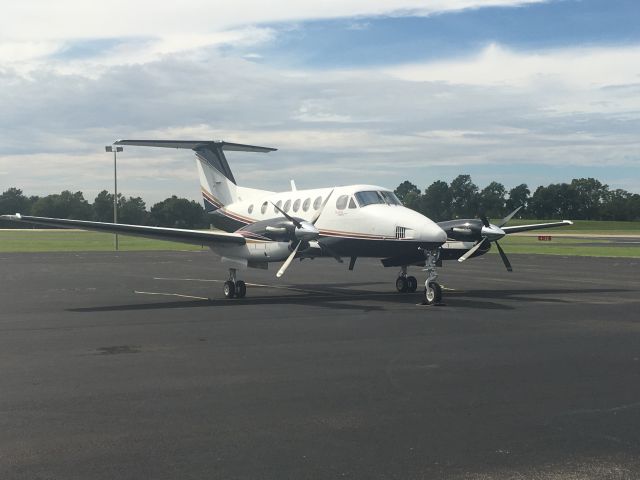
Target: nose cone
(432,233)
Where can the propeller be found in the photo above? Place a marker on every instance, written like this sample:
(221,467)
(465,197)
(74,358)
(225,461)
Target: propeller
(491,233)
(304,232)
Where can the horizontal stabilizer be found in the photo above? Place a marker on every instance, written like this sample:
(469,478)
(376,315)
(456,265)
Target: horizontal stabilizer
(197,144)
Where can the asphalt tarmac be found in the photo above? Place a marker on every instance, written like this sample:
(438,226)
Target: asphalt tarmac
(119,366)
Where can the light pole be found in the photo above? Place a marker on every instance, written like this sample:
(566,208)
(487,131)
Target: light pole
(115,151)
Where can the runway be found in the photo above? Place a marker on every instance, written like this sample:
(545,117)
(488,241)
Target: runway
(132,365)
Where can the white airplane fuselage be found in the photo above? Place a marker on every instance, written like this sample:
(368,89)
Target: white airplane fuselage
(346,225)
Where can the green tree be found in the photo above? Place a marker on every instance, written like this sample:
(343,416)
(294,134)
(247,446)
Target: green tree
(518,196)
(492,200)
(133,211)
(413,200)
(178,213)
(65,205)
(406,188)
(103,207)
(464,196)
(13,201)
(436,201)
(589,194)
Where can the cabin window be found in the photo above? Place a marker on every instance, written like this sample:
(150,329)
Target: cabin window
(296,205)
(317,203)
(263,210)
(306,204)
(341,203)
(287,205)
(250,209)
(352,203)
(279,205)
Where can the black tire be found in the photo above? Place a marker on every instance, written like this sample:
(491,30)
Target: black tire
(433,294)
(412,284)
(401,284)
(229,289)
(241,289)
(438,290)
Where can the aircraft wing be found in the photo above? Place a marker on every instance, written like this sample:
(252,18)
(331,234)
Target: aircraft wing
(536,226)
(196,237)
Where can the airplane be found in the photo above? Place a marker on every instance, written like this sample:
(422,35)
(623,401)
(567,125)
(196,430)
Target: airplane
(257,227)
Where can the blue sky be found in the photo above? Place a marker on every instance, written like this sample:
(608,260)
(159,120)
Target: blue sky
(518,91)
(344,43)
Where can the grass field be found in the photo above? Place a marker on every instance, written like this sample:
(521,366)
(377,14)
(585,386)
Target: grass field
(586,226)
(78,241)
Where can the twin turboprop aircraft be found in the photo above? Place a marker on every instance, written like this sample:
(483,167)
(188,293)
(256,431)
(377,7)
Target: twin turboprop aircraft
(258,227)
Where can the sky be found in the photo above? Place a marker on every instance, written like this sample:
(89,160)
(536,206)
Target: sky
(349,91)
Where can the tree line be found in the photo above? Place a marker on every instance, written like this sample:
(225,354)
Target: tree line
(172,212)
(582,199)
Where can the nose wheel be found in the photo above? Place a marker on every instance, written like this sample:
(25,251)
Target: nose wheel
(432,293)
(234,288)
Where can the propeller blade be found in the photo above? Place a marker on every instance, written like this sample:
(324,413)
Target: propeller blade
(288,261)
(472,250)
(317,216)
(485,220)
(504,258)
(287,216)
(504,221)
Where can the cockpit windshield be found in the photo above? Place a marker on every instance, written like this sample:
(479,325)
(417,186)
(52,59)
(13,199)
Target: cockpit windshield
(372,196)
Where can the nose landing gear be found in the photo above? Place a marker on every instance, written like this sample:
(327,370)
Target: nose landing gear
(234,288)
(406,283)
(432,289)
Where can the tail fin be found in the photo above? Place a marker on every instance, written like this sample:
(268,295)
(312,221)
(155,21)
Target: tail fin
(217,182)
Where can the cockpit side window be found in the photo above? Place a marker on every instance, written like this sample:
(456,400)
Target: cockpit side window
(391,198)
(341,203)
(352,203)
(369,198)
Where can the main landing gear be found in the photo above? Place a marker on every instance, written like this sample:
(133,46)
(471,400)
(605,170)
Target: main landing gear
(404,283)
(234,288)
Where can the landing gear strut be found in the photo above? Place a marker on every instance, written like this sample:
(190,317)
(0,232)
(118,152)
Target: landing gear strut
(432,289)
(404,283)
(233,287)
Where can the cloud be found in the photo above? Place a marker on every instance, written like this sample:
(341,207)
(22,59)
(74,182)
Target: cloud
(374,125)
(32,30)
(583,67)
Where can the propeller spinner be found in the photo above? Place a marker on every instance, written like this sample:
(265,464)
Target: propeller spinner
(492,233)
(304,231)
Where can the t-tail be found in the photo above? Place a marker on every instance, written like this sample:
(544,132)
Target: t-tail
(218,185)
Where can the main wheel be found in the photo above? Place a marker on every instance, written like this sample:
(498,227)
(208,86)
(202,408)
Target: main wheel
(412,284)
(432,294)
(241,289)
(229,289)
(401,284)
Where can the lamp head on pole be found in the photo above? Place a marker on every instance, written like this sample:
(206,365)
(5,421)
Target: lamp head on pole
(110,148)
